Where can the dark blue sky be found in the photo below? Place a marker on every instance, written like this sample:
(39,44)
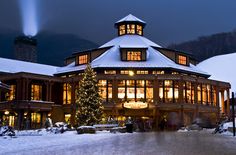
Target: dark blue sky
(168,21)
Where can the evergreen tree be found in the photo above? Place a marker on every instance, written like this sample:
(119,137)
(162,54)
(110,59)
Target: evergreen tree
(89,102)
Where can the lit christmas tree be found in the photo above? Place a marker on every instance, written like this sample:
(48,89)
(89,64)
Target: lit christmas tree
(89,102)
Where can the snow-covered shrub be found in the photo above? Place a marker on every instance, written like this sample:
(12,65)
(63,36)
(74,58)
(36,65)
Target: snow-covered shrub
(59,127)
(118,129)
(193,127)
(86,129)
(7,131)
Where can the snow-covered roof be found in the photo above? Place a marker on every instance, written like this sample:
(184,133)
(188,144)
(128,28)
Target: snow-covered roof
(130,18)
(16,66)
(111,59)
(221,68)
(130,41)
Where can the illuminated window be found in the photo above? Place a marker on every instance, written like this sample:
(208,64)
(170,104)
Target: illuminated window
(168,91)
(124,72)
(149,90)
(134,55)
(130,29)
(12,93)
(182,60)
(121,29)
(199,93)
(204,94)
(140,93)
(188,92)
(35,117)
(105,89)
(130,92)
(158,72)
(121,89)
(209,96)
(83,59)
(109,72)
(67,93)
(161,92)
(36,92)
(139,30)
(142,72)
(174,73)
(214,95)
(176,91)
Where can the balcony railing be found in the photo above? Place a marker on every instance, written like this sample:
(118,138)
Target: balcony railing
(26,104)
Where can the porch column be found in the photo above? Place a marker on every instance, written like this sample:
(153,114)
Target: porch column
(222,101)
(115,90)
(181,94)
(181,115)
(196,111)
(228,103)
(156,98)
(73,103)
(18,89)
(218,103)
(27,89)
(20,115)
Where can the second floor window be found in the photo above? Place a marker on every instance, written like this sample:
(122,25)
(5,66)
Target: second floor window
(12,93)
(36,92)
(83,59)
(134,56)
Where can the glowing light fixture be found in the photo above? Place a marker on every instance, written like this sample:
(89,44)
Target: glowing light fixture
(135,105)
(6,112)
(131,73)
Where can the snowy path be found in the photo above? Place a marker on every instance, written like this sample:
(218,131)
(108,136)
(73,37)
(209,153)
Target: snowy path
(154,143)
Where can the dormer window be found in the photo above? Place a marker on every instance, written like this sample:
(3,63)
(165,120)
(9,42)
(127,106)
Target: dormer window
(134,55)
(182,60)
(83,59)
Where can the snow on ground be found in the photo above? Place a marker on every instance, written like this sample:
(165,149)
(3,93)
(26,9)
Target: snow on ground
(221,68)
(105,143)
(34,140)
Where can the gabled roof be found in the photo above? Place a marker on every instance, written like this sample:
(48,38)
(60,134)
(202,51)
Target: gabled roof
(130,18)
(16,66)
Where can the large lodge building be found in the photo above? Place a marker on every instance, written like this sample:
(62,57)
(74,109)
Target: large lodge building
(136,77)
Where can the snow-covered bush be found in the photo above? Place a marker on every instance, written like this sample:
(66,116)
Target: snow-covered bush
(86,129)
(59,127)
(7,131)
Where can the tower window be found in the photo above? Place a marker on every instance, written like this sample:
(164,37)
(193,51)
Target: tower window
(139,30)
(130,29)
(134,55)
(83,59)
(182,60)
(122,30)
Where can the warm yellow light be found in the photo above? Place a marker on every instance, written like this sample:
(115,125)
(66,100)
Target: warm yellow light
(6,112)
(131,73)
